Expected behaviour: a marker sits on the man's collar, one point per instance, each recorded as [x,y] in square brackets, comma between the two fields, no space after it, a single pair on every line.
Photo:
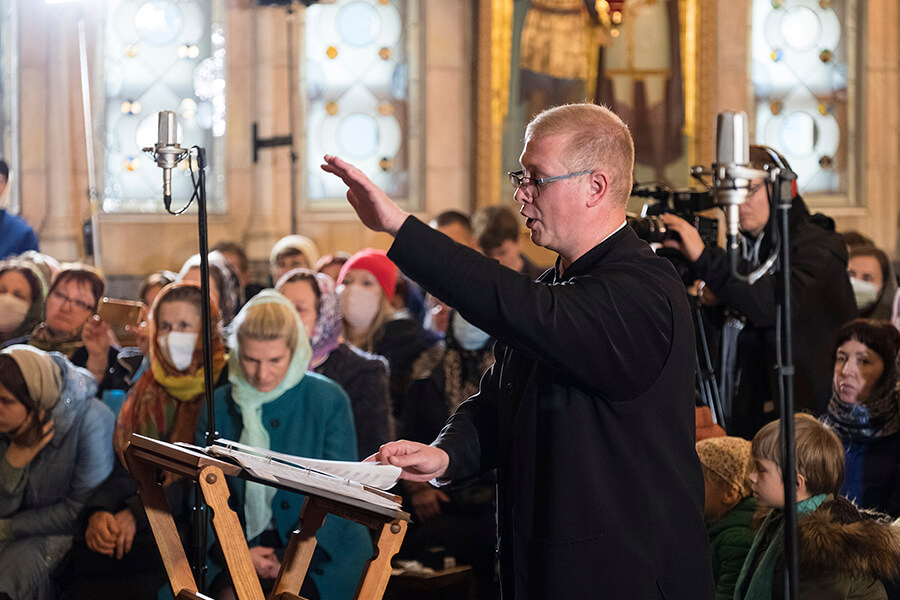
[557,273]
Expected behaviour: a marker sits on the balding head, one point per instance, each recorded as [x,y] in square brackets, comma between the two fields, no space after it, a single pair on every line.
[597,139]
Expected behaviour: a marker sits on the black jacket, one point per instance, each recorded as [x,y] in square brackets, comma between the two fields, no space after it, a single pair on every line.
[587,414]
[821,301]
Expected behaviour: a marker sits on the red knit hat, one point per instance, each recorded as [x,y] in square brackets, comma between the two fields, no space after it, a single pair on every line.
[378,264]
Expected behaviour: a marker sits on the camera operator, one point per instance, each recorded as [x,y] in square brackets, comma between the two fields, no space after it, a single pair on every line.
[821,301]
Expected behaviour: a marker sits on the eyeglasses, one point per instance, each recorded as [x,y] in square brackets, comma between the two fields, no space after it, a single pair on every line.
[755,188]
[518,179]
[76,303]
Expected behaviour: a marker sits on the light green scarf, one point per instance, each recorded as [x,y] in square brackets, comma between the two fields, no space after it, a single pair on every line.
[757,585]
[258,497]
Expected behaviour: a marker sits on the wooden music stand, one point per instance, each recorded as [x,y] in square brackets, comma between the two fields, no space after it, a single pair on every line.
[145,457]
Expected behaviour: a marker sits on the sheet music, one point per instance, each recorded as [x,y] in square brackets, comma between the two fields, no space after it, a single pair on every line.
[374,475]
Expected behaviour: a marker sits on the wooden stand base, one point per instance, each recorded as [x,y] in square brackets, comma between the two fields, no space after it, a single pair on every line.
[145,458]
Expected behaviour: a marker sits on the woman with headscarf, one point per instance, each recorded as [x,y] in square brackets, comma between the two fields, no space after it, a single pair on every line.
[55,441]
[22,294]
[363,376]
[272,402]
[865,413]
[118,556]
[292,252]
[224,288]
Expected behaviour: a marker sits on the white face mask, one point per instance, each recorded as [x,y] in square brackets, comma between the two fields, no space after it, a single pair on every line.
[12,312]
[469,337]
[178,348]
[866,292]
[359,306]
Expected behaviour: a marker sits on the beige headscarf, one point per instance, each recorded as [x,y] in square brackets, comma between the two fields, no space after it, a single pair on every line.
[302,244]
[42,375]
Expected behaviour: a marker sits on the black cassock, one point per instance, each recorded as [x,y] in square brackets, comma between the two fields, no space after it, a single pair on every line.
[587,414]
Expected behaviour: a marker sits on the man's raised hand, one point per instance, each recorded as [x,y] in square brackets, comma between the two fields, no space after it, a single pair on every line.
[375,209]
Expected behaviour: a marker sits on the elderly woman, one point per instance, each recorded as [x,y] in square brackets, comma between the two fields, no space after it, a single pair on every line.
[55,441]
[865,413]
[292,252]
[363,376]
[273,402]
[22,294]
[224,288]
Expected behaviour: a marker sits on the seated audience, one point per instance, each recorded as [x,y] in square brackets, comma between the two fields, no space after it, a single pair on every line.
[367,286]
[459,520]
[55,438]
[273,402]
[865,413]
[46,264]
[22,294]
[70,327]
[117,557]
[331,264]
[458,227]
[497,230]
[843,553]
[153,284]
[222,283]
[292,252]
[363,376]
[728,507]
[873,281]
[236,256]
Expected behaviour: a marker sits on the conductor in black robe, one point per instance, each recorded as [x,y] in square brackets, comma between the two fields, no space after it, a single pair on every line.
[587,413]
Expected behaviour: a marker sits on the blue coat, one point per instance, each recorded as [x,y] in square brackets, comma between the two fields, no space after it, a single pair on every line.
[44,505]
[314,420]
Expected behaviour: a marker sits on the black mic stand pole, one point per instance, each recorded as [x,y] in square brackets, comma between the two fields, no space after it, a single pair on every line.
[783,200]
[201,514]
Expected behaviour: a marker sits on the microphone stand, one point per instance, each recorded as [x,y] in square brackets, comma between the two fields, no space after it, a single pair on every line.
[783,200]
[200,516]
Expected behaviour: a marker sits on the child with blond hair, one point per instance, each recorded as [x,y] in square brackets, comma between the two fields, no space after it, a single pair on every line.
[843,553]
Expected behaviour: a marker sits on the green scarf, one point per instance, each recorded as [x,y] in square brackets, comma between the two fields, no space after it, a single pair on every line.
[757,585]
[258,497]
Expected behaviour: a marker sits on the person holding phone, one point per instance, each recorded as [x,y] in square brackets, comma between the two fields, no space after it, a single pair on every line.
[71,327]
[54,443]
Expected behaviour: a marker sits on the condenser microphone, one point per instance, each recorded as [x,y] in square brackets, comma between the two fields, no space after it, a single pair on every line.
[167,152]
[729,182]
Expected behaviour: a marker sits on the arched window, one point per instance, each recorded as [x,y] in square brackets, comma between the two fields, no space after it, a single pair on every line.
[360,89]
[804,86]
[162,55]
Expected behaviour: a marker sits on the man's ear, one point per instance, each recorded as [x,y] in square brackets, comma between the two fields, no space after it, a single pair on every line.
[599,188]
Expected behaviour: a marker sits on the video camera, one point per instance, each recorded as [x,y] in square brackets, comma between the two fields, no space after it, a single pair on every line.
[650,227]
[683,203]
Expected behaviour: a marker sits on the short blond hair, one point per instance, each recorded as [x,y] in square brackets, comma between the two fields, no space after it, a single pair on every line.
[819,454]
[597,137]
[269,321]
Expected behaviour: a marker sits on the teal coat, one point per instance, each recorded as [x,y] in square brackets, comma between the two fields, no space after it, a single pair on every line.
[729,542]
[313,419]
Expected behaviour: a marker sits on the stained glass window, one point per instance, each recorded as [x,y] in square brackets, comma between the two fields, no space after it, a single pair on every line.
[9,93]
[804,84]
[162,55]
[360,94]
